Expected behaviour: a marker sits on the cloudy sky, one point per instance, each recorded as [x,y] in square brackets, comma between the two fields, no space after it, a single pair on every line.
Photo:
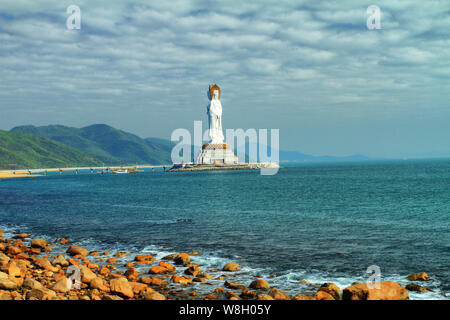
[309,68]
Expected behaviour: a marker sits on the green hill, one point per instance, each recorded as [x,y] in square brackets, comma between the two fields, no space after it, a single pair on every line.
[103,142]
[20,150]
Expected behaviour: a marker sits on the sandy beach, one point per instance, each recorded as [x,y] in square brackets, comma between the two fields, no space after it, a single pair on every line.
[8,175]
[35,269]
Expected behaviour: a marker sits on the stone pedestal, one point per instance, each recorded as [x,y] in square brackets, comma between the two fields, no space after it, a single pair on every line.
[216,154]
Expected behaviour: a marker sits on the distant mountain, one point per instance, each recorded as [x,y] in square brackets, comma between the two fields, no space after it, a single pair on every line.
[22,151]
[110,145]
[295,156]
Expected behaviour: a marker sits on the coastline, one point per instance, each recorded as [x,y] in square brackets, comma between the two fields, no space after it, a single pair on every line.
[36,269]
[10,175]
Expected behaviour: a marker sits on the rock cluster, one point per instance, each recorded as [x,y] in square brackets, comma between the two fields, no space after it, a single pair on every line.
[31,270]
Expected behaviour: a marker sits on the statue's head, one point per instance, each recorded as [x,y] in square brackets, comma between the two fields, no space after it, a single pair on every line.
[214,92]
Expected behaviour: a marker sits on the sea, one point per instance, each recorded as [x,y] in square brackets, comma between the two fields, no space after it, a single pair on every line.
[317,222]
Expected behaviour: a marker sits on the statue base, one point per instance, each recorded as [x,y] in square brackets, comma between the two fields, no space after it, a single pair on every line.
[216,154]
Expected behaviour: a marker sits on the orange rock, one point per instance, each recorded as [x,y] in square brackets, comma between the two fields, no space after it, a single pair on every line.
[11,269]
[111,260]
[73,262]
[259,284]
[39,243]
[193,271]
[129,264]
[248,294]
[331,289]
[211,297]
[63,240]
[13,250]
[34,251]
[154,296]
[264,297]
[76,250]
[99,284]
[131,274]
[322,295]
[138,287]
[182,280]
[168,266]
[182,258]
[231,267]
[103,270]
[219,290]
[230,285]
[115,276]
[157,270]
[145,258]
[278,294]
[421,276]
[93,254]
[43,263]
[21,236]
[91,265]
[388,290]
[302,297]
[153,281]
[119,254]
[121,287]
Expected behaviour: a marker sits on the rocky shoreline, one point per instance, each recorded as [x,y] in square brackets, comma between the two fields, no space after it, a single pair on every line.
[35,269]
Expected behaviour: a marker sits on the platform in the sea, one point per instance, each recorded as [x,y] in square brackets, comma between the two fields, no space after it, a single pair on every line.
[217,167]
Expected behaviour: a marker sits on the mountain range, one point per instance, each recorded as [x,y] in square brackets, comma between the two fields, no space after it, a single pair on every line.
[99,144]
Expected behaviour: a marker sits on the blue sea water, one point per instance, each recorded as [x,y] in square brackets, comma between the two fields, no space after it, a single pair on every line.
[314,221]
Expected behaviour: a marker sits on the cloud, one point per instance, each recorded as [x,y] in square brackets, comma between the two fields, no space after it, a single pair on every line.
[303,53]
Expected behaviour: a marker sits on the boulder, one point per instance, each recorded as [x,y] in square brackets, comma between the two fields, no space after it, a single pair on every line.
[182,280]
[259,284]
[29,283]
[12,269]
[153,295]
[131,274]
[193,271]
[153,281]
[264,297]
[302,297]
[145,258]
[7,284]
[231,267]
[121,287]
[63,285]
[168,266]
[13,250]
[4,258]
[421,276]
[86,274]
[41,294]
[183,259]
[322,295]
[416,287]
[39,243]
[331,289]
[98,283]
[76,250]
[278,294]
[43,263]
[4,276]
[111,297]
[388,290]
[138,287]
[61,260]
[231,285]
[157,270]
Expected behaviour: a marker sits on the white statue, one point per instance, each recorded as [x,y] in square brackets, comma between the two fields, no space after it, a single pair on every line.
[214,111]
